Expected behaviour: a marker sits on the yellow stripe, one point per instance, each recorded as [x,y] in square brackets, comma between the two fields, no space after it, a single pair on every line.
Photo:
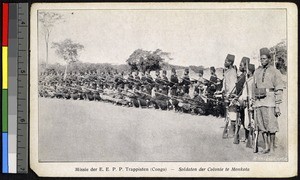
[4,67]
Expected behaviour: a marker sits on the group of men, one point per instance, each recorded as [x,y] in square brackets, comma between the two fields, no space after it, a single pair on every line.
[251,99]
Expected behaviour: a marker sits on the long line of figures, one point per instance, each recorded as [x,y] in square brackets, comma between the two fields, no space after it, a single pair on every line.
[250,100]
[138,89]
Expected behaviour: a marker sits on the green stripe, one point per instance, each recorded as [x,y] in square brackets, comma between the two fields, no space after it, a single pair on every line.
[4,110]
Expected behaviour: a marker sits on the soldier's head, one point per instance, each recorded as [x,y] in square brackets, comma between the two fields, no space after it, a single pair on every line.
[201,73]
[164,73]
[251,69]
[212,70]
[142,73]
[265,57]
[243,64]
[173,71]
[229,61]
[280,63]
[186,71]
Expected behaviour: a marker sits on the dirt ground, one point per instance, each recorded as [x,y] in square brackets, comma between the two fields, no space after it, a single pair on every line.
[72,130]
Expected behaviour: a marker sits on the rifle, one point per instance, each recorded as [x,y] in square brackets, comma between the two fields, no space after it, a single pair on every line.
[248,113]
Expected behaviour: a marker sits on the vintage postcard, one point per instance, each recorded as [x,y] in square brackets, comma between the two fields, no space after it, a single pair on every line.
[163,89]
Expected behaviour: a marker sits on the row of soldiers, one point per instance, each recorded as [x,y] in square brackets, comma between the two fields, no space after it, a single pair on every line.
[195,96]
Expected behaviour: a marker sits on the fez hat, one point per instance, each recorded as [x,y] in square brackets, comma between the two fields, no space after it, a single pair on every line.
[164,72]
[213,69]
[264,51]
[251,67]
[245,60]
[173,70]
[201,71]
[186,70]
[230,58]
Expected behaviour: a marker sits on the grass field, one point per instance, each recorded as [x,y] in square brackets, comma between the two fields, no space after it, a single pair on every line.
[96,131]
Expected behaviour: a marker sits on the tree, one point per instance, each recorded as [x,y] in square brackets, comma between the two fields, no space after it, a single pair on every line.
[68,51]
[143,60]
[48,20]
[279,54]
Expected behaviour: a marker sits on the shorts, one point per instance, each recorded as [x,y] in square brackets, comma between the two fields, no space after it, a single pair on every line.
[265,119]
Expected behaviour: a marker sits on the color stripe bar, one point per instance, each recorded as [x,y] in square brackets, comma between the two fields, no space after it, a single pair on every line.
[4,110]
[4,153]
[12,83]
[4,24]
[4,67]
[5,15]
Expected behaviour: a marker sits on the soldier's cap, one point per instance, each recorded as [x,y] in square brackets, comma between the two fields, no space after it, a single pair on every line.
[245,60]
[164,72]
[251,67]
[212,68]
[200,71]
[264,51]
[173,70]
[230,58]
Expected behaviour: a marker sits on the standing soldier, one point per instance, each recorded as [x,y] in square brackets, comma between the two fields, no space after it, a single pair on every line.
[239,87]
[229,83]
[137,80]
[149,82]
[174,86]
[199,88]
[268,87]
[244,99]
[130,80]
[185,83]
[158,80]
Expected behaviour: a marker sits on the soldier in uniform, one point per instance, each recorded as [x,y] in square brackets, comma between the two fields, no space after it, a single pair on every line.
[174,87]
[245,101]
[201,82]
[199,106]
[158,80]
[185,83]
[130,80]
[229,83]
[239,87]
[137,80]
[267,88]
[149,82]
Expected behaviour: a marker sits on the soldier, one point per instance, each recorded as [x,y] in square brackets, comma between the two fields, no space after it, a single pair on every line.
[158,80]
[149,82]
[201,82]
[130,80]
[229,83]
[199,106]
[211,86]
[245,102]
[165,81]
[174,87]
[267,88]
[185,83]
[97,92]
[239,87]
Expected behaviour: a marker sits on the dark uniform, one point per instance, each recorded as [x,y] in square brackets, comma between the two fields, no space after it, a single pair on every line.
[185,83]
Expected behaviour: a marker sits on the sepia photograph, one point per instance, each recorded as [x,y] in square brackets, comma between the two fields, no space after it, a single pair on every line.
[162,83]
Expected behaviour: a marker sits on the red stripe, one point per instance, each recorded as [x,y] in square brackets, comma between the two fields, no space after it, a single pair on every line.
[5,24]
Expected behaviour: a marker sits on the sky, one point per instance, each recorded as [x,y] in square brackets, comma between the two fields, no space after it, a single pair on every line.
[193,37]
